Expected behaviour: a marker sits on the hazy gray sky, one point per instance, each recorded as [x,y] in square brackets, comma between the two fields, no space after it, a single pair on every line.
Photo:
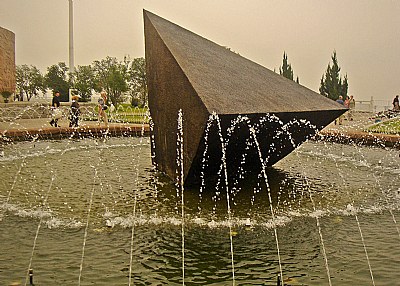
[364,33]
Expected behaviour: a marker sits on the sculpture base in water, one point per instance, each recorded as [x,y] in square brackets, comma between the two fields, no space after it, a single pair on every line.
[250,143]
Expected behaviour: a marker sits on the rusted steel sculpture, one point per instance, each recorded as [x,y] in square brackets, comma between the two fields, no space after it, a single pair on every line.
[201,78]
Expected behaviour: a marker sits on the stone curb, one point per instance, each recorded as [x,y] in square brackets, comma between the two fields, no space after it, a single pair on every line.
[359,138]
[31,134]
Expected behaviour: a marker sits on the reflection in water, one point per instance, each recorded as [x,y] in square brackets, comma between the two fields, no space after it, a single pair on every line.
[344,181]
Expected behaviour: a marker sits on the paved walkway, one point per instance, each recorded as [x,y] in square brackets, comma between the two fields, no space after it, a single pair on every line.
[361,120]
[354,131]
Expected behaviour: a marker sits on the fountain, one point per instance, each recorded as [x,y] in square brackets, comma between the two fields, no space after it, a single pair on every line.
[140,225]
[95,210]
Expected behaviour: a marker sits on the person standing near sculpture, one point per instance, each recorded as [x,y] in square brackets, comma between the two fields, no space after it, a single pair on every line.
[352,106]
[340,119]
[396,106]
[102,108]
[74,112]
[346,102]
[56,113]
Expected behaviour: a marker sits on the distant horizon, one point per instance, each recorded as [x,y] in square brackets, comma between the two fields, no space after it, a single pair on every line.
[361,32]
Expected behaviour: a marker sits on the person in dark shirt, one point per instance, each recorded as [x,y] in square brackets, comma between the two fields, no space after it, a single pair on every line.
[74,112]
[396,106]
[56,112]
[340,100]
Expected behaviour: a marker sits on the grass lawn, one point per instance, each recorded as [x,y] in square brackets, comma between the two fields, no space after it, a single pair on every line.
[391,126]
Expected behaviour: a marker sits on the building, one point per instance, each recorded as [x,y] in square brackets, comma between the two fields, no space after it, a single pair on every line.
[7,61]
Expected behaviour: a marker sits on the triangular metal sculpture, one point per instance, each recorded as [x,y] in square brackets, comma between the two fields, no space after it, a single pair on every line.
[190,73]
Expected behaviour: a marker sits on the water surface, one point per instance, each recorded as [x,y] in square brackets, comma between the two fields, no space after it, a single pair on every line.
[50,191]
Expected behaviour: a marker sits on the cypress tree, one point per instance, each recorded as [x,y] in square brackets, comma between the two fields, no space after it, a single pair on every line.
[286,69]
[332,85]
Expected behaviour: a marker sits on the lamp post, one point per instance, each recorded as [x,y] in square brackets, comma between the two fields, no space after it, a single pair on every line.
[71,36]
[71,44]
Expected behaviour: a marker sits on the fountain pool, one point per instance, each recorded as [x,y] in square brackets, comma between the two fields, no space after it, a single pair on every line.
[96,212]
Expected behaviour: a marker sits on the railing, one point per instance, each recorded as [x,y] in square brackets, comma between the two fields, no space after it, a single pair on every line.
[373,105]
[89,112]
[11,112]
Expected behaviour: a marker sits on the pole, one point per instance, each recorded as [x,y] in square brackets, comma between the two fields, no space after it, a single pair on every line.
[71,36]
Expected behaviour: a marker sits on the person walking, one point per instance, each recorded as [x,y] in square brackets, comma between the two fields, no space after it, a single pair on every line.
[56,113]
[102,108]
[352,106]
[74,112]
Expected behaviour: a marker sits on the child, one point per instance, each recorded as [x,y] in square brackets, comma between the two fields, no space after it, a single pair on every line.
[102,108]
[56,111]
[74,112]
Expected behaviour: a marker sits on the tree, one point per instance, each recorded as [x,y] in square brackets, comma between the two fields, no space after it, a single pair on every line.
[84,82]
[117,84]
[137,82]
[56,79]
[112,76]
[286,69]
[345,86]
[29,81]
[332,85]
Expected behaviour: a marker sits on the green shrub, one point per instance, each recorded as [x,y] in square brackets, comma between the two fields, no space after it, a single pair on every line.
[6,95]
